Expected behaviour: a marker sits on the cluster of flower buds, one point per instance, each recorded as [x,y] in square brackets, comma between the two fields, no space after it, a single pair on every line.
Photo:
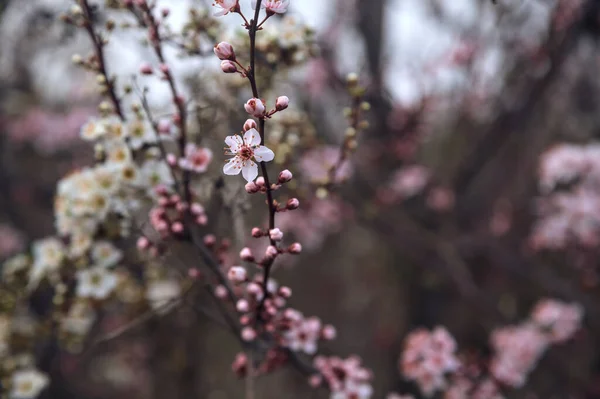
[287,326]
[427,357]
[168,217]
[257,107]
[346,378]
[259,186]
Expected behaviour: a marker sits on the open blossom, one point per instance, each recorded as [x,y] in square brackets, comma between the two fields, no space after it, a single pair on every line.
[247,152]
[196,158]
[96,283]
[559,320]
[427,357]
[28,384]
[346,378]
[273,6]
[224,7]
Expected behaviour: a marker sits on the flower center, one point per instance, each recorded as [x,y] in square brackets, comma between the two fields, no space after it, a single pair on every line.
[245,152]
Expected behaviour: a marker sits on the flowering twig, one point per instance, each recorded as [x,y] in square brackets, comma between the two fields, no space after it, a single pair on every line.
[99,43]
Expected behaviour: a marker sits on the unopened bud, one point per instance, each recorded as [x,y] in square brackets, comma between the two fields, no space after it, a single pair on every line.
[246,254]
[249,124]
[257,233]
[282,103]
[285,176]
[276,234]
[252,188]
[228,66]
[236,274]
[295,248]
[224,51]
[292,204]
[271,252]
[255,107]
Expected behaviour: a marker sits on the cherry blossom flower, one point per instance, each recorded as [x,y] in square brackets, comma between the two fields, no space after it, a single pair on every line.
[196,158]
[224,7]
[558,319]
[27,384]
[273,6]
[247,152]
[96,283]
[427,357]
[346,378]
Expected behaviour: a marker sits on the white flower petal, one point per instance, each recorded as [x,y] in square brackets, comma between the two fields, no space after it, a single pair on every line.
[263,154]
[232,167]
[252,138]
[250,171]
[233,143]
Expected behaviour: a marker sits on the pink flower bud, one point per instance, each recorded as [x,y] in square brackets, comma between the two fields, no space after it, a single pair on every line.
[329,332]
[260,182]
[292,204]
[276,234]
[285,292]
[257,233]
[220,292]
[236,274]
[228,66]
[202,220]
[143,243]
[224,51]
[295,248]
[177,227]
[172,159]
[210,240]
[246,254]
[253,289]
[315,380]
[194,273]
[282,103]
[285,176]
[164,68]
[242,306]
[197,209]
[255,107]
[248,334]
[251,188]
[165,12]
[250,124]
[245,319]
[271,252]
[146,69]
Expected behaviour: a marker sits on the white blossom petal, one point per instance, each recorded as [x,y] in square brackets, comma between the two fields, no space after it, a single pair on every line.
[263,154]
[232,167]
[233,142]
[252,138]
[250,171]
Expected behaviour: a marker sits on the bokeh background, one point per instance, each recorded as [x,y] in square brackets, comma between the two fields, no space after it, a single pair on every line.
[439,222]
